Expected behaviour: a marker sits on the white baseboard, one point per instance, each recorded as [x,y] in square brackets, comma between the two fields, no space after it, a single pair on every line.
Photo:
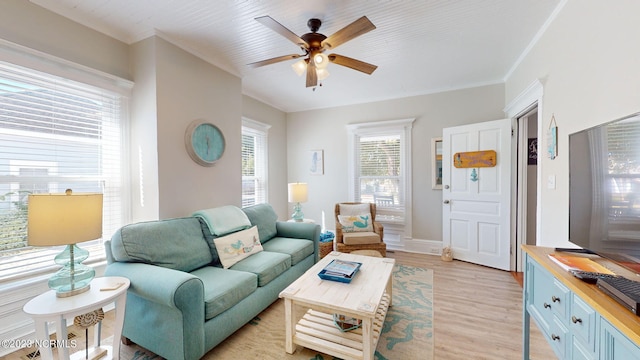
[431,247]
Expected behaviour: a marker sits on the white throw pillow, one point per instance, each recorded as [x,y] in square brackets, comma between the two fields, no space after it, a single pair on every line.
[237,246]
[355,223]
[354,209]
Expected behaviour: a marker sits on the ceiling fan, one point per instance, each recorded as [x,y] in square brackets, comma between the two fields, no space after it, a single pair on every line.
[315,44]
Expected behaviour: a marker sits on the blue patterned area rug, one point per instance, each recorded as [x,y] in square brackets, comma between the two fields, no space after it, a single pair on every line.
[406,334]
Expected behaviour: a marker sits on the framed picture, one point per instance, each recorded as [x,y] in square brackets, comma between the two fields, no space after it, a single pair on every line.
[533,151]
[436,163]
[316,166]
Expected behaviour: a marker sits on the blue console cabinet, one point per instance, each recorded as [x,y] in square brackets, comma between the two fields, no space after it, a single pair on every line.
[578,320]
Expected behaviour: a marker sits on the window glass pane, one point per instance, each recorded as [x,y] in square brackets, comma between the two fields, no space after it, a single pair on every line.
[379,170]
[254,165]
[55,134]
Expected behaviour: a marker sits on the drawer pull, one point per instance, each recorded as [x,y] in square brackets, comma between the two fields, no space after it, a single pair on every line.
[547,306]
[555,337]
[555,299]
[576,320]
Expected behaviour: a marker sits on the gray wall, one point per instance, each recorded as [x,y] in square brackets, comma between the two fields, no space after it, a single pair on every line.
[326,129]
[277,172]
[587,61]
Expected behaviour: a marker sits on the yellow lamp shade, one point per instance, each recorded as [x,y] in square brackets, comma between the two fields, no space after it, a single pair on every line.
[61,219]
[298,192]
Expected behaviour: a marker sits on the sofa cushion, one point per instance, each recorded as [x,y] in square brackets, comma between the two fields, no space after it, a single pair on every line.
[224,288]
[209,237]
[237,246]
[224,220]
[360,238]
[173,243]
[267,265]
[298,249]
[264,217]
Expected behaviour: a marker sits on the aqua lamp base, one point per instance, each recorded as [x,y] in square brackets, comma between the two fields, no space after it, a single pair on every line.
[74,277]
[297,215]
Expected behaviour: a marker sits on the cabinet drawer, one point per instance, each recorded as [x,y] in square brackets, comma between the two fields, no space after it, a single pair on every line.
[560,299]
[579,352]
[538,294]
[582,323]
[559,338]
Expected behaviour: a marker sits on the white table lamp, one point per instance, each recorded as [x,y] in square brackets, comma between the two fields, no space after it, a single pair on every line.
[297,194]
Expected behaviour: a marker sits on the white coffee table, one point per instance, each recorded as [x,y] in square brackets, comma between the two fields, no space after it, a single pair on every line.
[367,297]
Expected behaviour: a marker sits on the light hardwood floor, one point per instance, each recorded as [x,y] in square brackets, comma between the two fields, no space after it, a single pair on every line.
[477,311]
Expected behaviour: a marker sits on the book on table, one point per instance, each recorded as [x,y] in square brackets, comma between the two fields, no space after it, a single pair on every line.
[340,270]
[568,263]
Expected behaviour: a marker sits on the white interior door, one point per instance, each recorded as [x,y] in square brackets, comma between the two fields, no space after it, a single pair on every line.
[476,209]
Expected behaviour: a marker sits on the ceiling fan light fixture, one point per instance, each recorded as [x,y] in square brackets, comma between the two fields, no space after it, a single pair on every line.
[322,74]
[299,67]
[321,60]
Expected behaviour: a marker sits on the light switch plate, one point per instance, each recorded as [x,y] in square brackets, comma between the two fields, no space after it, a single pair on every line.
[551,182]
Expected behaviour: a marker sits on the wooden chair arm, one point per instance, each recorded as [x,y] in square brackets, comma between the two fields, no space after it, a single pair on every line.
[378,229]
[338,232]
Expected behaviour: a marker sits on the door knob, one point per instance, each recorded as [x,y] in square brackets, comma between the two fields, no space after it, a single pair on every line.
[446,186]
[446,201]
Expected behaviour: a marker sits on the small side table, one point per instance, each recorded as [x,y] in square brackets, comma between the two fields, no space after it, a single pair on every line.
[47,308]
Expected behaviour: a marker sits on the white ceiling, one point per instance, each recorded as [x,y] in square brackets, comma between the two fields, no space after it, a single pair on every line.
[420,47]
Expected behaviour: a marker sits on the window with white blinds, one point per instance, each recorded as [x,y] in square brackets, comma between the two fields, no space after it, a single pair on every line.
[379,167]
[380,171]
[55,134]
[254,162]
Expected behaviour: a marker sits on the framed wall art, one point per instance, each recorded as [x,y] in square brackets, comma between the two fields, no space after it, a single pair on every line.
[316,166]
[436,163]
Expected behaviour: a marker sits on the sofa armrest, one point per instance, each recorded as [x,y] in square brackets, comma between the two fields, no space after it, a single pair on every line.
[296,230]
[161,285]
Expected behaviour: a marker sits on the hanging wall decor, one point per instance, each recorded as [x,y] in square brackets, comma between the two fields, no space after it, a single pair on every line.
[316,166]
[552,138]
[532,157]
[470,159]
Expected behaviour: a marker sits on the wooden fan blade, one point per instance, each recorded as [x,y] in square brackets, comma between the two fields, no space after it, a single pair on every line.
[353,30]
[269,22]
[274,60]
[353,63]
[312,74]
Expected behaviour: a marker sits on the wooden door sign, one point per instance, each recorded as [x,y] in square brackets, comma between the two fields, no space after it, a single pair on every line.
[475,159]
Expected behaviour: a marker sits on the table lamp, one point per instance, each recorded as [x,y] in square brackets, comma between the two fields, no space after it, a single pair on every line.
[66,219]
[297,194]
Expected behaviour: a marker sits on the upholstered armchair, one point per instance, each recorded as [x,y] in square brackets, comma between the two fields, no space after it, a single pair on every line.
[357,228]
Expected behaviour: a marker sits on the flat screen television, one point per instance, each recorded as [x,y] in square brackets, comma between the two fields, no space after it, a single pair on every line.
[604,190]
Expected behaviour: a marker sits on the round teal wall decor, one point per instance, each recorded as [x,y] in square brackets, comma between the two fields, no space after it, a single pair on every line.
[205,142]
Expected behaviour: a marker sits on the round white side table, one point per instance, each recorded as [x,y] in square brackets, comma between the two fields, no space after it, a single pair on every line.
[307,221]
[48,308]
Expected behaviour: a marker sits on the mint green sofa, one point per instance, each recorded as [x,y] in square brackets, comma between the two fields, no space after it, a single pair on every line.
[181,302]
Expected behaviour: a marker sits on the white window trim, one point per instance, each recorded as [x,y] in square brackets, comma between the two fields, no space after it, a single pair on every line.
[354,131]
[262,128]
[14,293]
